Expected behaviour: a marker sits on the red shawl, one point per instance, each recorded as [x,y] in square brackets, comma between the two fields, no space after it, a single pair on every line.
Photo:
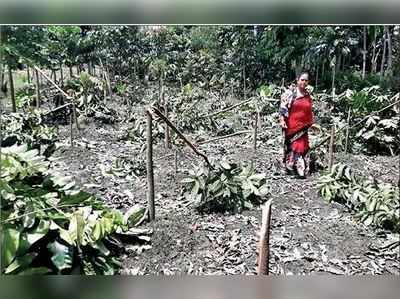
[300,115]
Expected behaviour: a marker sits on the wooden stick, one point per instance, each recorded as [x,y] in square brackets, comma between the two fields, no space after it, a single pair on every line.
[176,162]
[52,82]
[37,89]
[227,109]
[75,116]
[178,133]
[149,166]
[255,134]
[263,257]
[331,144]
[58,108]
[12,91]
[71,129]
[224,137]
[347,131]
[166,141]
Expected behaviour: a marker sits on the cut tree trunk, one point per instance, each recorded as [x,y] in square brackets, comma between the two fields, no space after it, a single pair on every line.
[12,92]
[149,165]
[263,247]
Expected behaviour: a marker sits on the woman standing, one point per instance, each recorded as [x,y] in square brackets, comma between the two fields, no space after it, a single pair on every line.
[296,118]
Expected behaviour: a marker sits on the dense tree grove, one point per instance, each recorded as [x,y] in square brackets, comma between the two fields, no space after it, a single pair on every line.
[246,56]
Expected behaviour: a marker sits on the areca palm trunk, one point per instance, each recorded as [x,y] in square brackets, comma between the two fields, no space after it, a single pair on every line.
[364,52]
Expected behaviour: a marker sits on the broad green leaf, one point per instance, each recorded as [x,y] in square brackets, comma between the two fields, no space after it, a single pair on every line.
[9,246]
[21,263]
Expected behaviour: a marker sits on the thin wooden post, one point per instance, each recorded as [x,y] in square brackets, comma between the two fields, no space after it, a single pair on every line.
[10,78]
[167,139]
[263,247]
[255,133]
[331,144]
[75,116]
[71,129]
[176,162]
[347,131]
[37,88]
[149,165]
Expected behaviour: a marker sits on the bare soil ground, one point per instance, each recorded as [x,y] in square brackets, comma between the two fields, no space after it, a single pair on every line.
[308,236]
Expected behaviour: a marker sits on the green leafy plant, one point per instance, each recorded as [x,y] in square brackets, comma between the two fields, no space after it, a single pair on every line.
[226,187]
[375,203]
[49,226]
[28,128]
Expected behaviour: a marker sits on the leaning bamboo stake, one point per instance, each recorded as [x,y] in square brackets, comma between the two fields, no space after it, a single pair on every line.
[347,131]
[149,166]
[263,247]
[331,144]
[227,109]
[178,133]
[224,137]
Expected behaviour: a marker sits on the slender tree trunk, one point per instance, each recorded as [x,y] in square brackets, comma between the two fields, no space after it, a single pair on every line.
[389,54]
[37,89]
[70,72]
[374,56]
[316,77]
[364,52]
[54,76]
[61,75]
[12,92]
[244,81]
[383,54]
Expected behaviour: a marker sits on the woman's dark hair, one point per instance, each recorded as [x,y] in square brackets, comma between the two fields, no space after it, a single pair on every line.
[302,73]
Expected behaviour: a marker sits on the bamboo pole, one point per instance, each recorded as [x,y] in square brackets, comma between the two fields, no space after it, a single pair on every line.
[71,129]
[331,144]
[347,131]
[176,162]
[149,165]
[167,139]
[225,136]
[37,89]
[178,133]
[255,134]
[227,109]
[263,256]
